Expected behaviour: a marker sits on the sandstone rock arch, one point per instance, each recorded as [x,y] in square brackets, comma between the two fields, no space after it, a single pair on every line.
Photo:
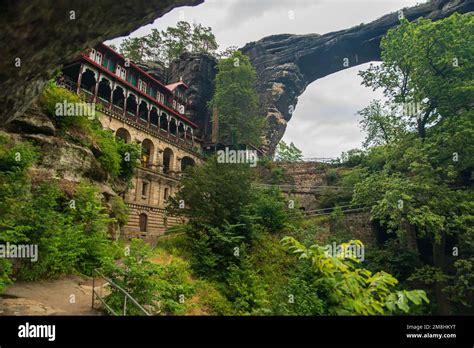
[286,64]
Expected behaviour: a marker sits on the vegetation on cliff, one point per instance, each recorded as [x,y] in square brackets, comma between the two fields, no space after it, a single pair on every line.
[167,45]
[235,101]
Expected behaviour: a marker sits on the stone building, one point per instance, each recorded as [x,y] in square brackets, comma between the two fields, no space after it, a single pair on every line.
[140,108]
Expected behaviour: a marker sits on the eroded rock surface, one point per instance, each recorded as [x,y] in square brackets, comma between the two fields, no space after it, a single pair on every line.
[286,64]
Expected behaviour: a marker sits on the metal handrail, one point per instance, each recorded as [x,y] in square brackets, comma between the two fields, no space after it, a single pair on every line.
[126,295]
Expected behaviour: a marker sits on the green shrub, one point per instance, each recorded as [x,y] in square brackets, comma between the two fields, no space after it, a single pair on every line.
[269,209]
[130,155]
[119,210]
[298,297]
[392,257]
[71,235]
[53,95]
[108,155]
[245,289]
[15,160]
[160,288]
[211,300]
[68,239]
[276,175]
[332,176]
[354,290]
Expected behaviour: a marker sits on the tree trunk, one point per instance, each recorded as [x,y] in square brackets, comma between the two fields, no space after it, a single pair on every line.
[439,261]
[409,237]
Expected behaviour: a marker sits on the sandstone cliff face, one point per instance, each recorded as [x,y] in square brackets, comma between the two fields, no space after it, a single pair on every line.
[287,64]
[59,158]
[43,34]
[198,71]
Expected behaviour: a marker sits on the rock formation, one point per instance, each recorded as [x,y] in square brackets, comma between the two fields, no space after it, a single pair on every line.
[43,36]
[38,36]
[286,64]
[198,71]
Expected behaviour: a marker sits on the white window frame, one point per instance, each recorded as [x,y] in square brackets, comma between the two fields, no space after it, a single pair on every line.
[92,54]
[98,58]
[142,85]
[121,72]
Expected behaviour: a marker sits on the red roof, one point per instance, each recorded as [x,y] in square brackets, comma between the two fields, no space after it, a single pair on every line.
[86,57]
[135,66]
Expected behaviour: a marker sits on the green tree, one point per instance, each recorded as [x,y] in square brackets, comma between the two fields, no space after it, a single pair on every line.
[167,45]
[289,153]
[134,48]
[226,213]
[228,52]
[382,124]
[421,186]
[236,101]
[427,69]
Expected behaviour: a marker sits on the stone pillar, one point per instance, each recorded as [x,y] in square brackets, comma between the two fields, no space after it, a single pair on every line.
[112,88]
[79,79]
[177,165]
[96,89]
[125,103]
[159,160]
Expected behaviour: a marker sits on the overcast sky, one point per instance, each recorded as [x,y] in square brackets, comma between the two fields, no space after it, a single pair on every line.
[324,122]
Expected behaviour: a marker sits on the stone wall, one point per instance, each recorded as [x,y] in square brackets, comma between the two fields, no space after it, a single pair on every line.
[358,226]
[303,182]
[158,183]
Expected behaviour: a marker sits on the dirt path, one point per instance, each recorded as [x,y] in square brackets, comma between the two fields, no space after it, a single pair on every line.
[70,295]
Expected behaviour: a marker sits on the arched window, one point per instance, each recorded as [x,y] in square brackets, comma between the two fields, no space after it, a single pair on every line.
[143,222]
[163,122]
[104,90]
[167,160]
[173,127]
[118,97]
[186,162]
[123,134]
[132,105]
[154,117]
[143,111]
[88,81]
[147,152]
[181,131]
